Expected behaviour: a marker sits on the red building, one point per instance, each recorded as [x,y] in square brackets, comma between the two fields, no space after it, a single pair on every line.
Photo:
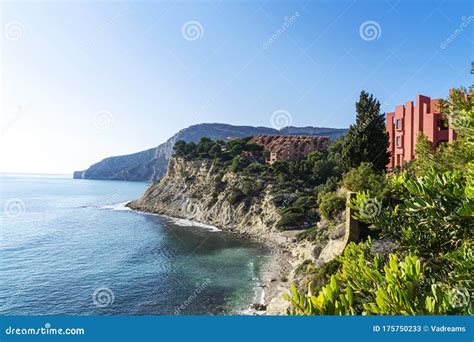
[408,120]
[289,147]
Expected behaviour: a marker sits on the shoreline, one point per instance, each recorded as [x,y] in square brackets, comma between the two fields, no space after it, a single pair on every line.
[274,275]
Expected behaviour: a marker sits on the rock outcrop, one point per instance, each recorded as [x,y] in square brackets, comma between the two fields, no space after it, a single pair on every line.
[195,190]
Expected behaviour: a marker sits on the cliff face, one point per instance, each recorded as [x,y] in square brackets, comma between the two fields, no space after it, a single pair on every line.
[140,166]
[151,164]
[195,190]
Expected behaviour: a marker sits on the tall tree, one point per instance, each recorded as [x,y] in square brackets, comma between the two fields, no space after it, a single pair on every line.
[367,139]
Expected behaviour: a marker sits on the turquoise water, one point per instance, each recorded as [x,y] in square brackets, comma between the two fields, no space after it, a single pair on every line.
[71,247]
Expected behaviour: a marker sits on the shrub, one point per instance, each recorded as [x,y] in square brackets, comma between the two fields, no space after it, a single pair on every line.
[432,214]
[365,178]
[313,234]
[330,204]
[248,188]
[180,148]
[330,185]
[256,168]
[330,301]
[204,146]
[238,164]
[236,196]
[215,151]
[314,277]
[364,285]
[291,220]
[305,267]
[305,201]
[297,217]
[446,157]
[225,151]
[458,110]
[251,188]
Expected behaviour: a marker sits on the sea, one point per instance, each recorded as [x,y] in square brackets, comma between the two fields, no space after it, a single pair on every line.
[72,247]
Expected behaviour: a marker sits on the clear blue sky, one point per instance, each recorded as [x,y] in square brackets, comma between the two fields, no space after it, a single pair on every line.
[86,80]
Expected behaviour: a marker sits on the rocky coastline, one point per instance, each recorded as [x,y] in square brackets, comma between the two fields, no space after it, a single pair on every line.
[188,191]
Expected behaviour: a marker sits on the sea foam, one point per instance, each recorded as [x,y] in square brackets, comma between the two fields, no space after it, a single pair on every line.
[117,206]
[177,221]
[189,223]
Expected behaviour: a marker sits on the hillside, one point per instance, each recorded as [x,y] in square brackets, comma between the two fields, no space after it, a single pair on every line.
[151,164]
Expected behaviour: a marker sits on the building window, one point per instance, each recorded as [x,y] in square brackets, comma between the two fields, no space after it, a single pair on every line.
[399,140]
[442,125]
[399,124]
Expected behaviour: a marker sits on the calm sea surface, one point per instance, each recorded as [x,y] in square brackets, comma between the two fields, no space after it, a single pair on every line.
[71,247]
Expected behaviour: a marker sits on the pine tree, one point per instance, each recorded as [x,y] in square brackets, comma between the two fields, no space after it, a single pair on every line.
[367,139]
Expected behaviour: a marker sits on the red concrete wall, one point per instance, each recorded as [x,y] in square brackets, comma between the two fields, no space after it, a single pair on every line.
[391,136]
[409,151]
[422,117]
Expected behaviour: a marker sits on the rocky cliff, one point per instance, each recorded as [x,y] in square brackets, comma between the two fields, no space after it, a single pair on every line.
[151,164]
[195,190]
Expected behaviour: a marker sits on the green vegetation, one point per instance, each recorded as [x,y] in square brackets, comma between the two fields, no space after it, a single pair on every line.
[427,209]
[365,178]
[313,234]
[314,278]
[366,284]
[330,204]
[237,196]
[294,185]
[367,139]
[219,150]
[431,214]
